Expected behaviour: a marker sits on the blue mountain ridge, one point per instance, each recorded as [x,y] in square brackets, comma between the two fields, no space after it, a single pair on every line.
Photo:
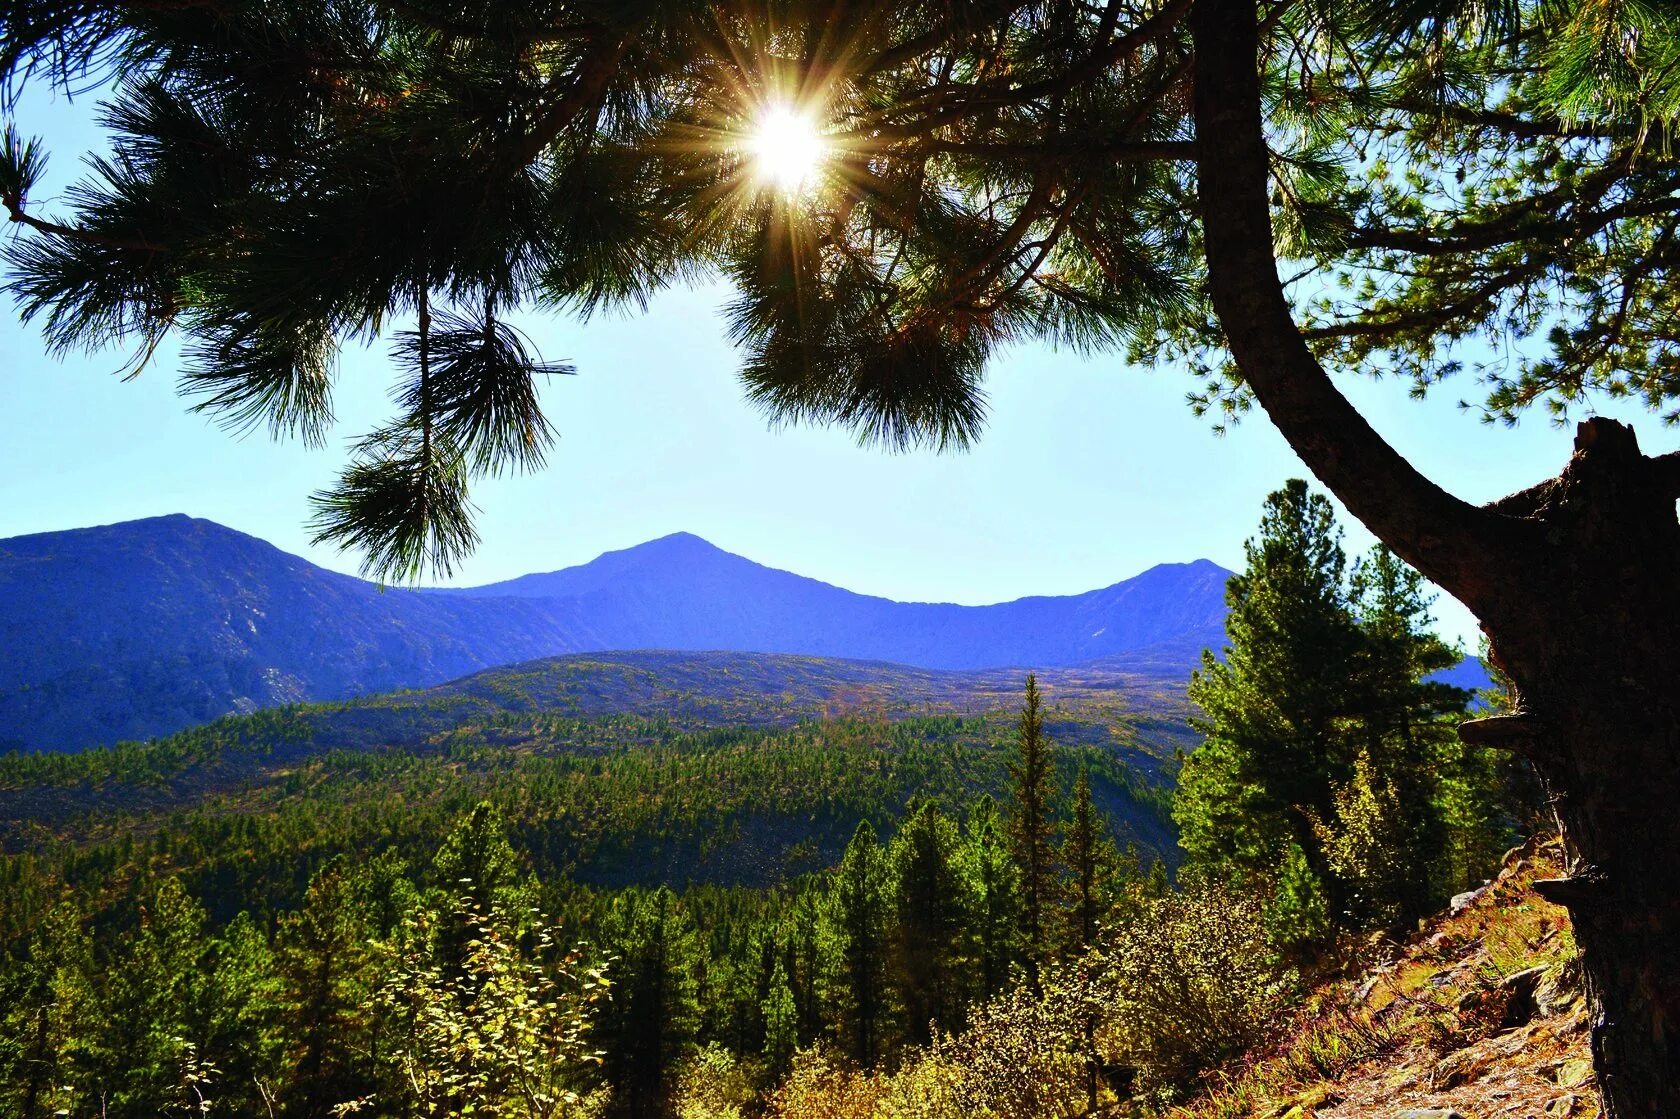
[142,628]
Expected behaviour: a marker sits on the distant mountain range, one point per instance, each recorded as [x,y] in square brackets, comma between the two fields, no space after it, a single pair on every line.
[147,627]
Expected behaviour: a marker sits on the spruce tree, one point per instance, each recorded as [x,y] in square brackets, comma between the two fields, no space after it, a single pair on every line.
[1032,829]
[1274,748]
[928,928]
[860,915]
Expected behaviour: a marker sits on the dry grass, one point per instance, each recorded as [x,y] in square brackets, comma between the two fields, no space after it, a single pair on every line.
[1438,1027]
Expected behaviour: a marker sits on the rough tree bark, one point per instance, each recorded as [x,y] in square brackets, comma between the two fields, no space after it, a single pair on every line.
[1576,583]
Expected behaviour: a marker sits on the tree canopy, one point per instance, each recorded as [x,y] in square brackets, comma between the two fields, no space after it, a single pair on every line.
[287,179]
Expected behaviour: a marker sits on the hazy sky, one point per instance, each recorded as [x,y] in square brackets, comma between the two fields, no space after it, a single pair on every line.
[1089,473]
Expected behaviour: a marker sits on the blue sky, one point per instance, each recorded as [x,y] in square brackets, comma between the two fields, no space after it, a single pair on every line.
[1090,471]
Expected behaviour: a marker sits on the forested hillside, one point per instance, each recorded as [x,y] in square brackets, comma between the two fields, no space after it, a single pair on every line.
[749,853]
[651,767]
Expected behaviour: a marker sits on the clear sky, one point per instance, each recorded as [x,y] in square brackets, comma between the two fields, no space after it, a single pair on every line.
[1090,471]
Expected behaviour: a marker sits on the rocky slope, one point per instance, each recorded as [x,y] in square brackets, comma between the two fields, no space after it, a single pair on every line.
[1478,1016]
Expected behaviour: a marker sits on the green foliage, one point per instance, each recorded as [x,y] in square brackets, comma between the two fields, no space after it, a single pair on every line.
[1332,765]
[993,887]
[654,1013]
[929,928]
[1031,832]
[860,914]
[502,1030]
[1194,980]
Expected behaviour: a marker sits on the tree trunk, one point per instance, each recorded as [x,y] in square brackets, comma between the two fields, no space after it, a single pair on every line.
[1589,645]
[1576,582]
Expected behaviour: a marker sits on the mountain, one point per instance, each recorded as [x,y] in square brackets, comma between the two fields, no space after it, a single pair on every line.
[138,629]
[680,592]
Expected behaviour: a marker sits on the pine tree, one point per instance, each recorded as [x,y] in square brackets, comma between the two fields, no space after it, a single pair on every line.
[236,1022]
[781,1021]
[325,960]
[1409,728]
[860,915]
[142,1054]
[1032,829]
[928,927]
[1094,868]
[652,1016]
[1274,749]
[45,1005]
[994,898]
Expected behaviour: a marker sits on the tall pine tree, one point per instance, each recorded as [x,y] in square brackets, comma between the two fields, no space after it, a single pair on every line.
[929,929]
[1273,750]
[1032,829]
[860,915]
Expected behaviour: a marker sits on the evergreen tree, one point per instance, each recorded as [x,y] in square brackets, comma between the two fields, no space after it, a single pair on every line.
[1274,750]
[1032,829]
[236,1020]
[477,870]
[326,962]
[44,1014]
[806,958]
[143,1058]
[927,938]
[860,915]
[994,893]
[1094,868]
[781,1021]
[1409,730]
[1328,745]
[652,1016]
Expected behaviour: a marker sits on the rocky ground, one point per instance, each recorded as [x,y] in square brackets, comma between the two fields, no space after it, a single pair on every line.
[1479,1015]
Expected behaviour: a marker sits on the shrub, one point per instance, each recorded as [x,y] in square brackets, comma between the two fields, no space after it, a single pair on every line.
[820,1087]
[714,1084]
[1194,980]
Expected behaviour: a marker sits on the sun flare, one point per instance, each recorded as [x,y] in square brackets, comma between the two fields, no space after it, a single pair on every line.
[787,149]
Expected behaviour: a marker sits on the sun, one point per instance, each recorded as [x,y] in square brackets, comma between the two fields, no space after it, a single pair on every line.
[787,148]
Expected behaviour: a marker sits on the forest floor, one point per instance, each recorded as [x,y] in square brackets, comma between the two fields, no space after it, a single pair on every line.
[1478,1015]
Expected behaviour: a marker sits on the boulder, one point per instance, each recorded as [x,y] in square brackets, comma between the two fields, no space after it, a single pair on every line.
[1518,990]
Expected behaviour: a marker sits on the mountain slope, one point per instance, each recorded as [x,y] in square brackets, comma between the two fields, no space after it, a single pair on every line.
[1480,1014]
[629,767]
[143,628]
[138,629]
[680,592]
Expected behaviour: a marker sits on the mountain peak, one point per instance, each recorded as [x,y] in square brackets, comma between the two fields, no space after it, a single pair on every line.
[676,543]
[144,627]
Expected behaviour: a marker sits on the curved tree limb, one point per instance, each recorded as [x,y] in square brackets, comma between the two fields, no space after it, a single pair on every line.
[1462,548]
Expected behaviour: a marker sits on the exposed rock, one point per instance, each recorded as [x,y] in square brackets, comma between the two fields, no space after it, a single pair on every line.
[1518,990]
[1456,1068]
[1559,989]
[1461,902]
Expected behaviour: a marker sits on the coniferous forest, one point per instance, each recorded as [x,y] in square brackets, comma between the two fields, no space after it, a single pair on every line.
[541,915]
[630,885]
